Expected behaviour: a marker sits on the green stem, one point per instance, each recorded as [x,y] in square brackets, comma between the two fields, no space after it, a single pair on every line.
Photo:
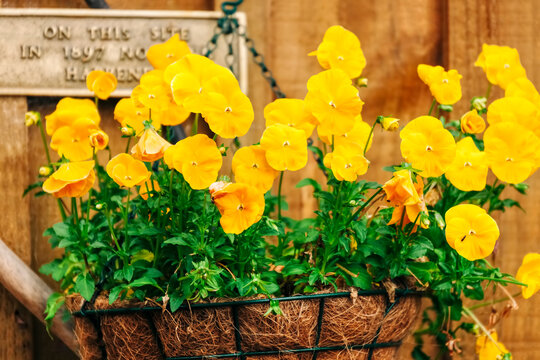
[363,206]
[111,229]
[195,127]
[44,139]
[127,145]
[279,194]
[171,199]
[491,302]
[74,212]
[126,216]
[47,153]
[370,135]
[470,314]
[488,92]
[515,282]
[432,106]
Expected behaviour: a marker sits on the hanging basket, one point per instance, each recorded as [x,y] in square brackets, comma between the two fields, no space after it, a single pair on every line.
[327,326]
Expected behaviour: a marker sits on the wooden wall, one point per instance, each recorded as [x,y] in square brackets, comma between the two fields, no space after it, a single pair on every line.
[396,35]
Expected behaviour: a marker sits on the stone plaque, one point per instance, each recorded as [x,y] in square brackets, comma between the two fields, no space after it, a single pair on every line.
[49,52]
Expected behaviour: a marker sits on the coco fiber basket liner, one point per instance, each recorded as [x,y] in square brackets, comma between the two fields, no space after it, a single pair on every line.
[364,325]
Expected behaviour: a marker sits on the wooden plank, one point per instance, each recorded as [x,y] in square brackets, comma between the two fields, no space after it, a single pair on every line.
[503,22]
[15,321]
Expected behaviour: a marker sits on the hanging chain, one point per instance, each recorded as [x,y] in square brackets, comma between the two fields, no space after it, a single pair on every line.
[229,28]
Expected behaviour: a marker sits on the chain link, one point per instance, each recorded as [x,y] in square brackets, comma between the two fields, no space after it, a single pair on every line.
[229,28]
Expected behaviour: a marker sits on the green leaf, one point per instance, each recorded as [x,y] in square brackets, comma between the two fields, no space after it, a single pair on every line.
[85,286]
[115,292]
[309,182]
[61,229]
[54,303]
[143,255]
[175,301]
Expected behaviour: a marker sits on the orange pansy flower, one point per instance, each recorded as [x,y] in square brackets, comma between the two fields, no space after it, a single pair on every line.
[73,179]
[150,146]
[101,83]
[250,167]
[285,147]
[127,171]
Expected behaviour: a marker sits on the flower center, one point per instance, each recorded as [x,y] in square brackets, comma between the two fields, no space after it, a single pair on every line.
[74,140]
[472,232]
[467,163]
[509,159]
[340,58]
[286,143]
[255,166]
[331,103]
[127,177]
[170,55]
[194,163]
[347,166]
[445,81]
[507,66]
[290,124]
[429,148]
[139,113]
[200,90]
[240,207]
[228,109]
[151,96]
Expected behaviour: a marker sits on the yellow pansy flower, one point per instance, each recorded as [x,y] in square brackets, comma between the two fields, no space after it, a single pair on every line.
[334,101]
[471,231]
[227,110]
[285,147]
[428,146]
[147,187]
[173,115]
[101,83]
[523,88]
[240,206]
[511,151]
[359,134]
[529,273]
[128,115]
[73,142]
[347,161]
[162,55]
[468,171]
[151,97]
[99,140]
[73,179]
[517,110]
[340,49]
[472,123]
[291,112]
[401,190]
[444,85]
[250,167]
[501,64]
[188,79]
[127,171]
[197,158]
[150,146]
[68,110]
[488,350]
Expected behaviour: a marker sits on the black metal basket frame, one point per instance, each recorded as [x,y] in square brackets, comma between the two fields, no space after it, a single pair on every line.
[95,314]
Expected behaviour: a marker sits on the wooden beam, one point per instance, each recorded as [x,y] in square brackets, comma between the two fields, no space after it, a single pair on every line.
[27,287]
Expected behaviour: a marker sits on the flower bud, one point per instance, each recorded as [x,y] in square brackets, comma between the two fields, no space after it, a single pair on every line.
[127,131]
[362,82]
[99,140]
[352,203]
[440,220]
[99,206]
[390,123]
[424,221]
[479,103]
[45,171]
[31,118]
[472,123]
[223,150]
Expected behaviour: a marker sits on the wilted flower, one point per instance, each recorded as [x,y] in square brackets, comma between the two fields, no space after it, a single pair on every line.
[150,146]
